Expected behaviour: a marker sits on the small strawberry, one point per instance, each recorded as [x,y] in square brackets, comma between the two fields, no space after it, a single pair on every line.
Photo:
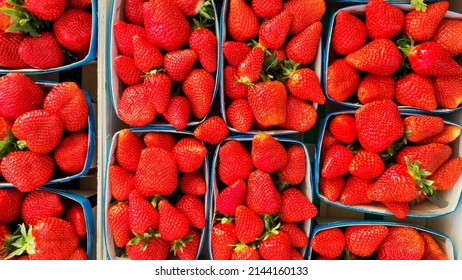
[135,108]
[303,47]
[342,80]
[249,226]
[133,11]
[234,163]
[159,139]
[276,247]
[266,9]
[364,240]
[448,89]
[189,154]
[205,43]
[336,162]
[305,13]
[296,207]
[40,204]
[355,191]
[127,71]
[343,128]
[433,250]
[399,209]
[367,165]
[73,30]
[235,52]
[223,234]
[191,8]
[297,236]
[11,202]
[232,88]
[329,242]
[118,221]
[129,148]
[402,243]
[193,207]
[79,254]
[417,91]
[157,87]
[179,63]
[331,188]
[244,252]
[146,56]
[9,46]
[193,183]
[74,214]
[46,9]
[268,155]
[212,131]
[178,112]
[373,87]
[418,127]
[421,25]
[446,176]
[295,170]
[447,36]
[142,215]
[239,115]
[349,33]
[199,87]
[301,116]
[123,35]
[188,247]
[262,196]
[383,20]
[231,197]
[249,69]
[173,224]
[148,248]
[430,156]
[268,101]
[41,52]
[71,154]
[273,32]
[304,84]
[449,134]
[242,23]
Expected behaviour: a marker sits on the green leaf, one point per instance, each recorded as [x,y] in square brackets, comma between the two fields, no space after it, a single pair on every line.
[419,5]
[9,12]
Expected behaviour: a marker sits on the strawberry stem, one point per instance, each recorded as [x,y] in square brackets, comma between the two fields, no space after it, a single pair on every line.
[419,176]
[419,5]
[21,241]
[180,244]
[23,20]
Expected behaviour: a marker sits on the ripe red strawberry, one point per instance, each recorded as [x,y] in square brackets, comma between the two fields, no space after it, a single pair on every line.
[187,248]
[433,251]
[242,23]
[342,80]
[157,87]
[133,11]
[343,128]
[421,25]
[402,243]
[129,148]
[173,224]
[124,33]
[74,214]
[235,52]
[304,84]
[240,115]
[19,95]
[329,242]
[447,36]
[364,240]
[231,197]
[273,32]
[189,154]
[127,71]
[301,115]
[212,131]
[449,134]
[79,254]
[383,20]
[9,46]
[142,215]
[165,25]
[71,154]
[40,204]
[179,63]
[298,237]
[430,156]
[146,56]
[135,108]
[193,207]
[331,188]
[431,59]
[349,33]
[73,30]
[205,43]
[380,57]
[355,191]
[367,165]
[232,88]
[118,221]
[268,155]
[149,248]
[178,112]
[447,174]
[296,207]
[268,101]
[398,209]
[417,91]
[199,87]
[243,252]
[41,52]
[336,162]
[27,170]
[372,135]
[373,87]
[276,247]
[46,9]
[222,236]
[11,202]
[249,69]
[448,89]
[267,9]
[305,13]
[159,139]
[157,173]
[418,127]
[193,183]
[234,163]
[303,47]
[249,226]
[295,170]
[262,196]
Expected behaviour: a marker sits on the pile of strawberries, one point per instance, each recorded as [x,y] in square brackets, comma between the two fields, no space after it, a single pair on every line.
[268,50]
[158,187]
[41,225]
[44,34]
[377,242]
[398,164]
[366,62]
[168,71]
[43,131]
[260,206]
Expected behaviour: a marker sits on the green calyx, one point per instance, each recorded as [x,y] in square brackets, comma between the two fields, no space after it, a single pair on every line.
[144,238]
[22,20]
[289,68]
[272,225]
[393,150]
[419,5]
[180,244]
[10,144]
[156,199]
[21,241]
[242,246]
[419,176]
[406,45]
[207,10]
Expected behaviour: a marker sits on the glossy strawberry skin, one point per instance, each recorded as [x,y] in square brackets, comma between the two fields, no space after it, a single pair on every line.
[246,253]
[374,87]
[367,165]
[305,13]
[129,148]
[75,214]
[447,174]
[159,139]
[178,112]
[40,204]
[295,170]
[336,162]
[193,183]
[364,240]
[9,56]
[430,156]
[268,155]
[239,29]
[173,224]
[298,237]
[11,201]
[296,207]
[231,197]
[355,191]
[205,43]
[383,20]
[146,56]
[249,69]
[156,249]
[212,131]
[189,154]
[135,108]
[123,35]
[262,196]
[417,91]
[73,30]
[133,11]
[342,80]
[433,250]
[449,134]
[71,154]
[276,247]
[193,207]
[267,9]
[301,115]
[421,25]
[447,90]
[249,226]
[304,84]
[179,63]
[199,88]
[235,52]
[343,128]
[239,115]
[223,235]
[273,33]
[142,215]
[268,102]
[303,47]
[127,71]
[118,221]
[331,188]
[190,250]
[447,36]
[402,243]
[234,163]
[158,88]
[349,33]
[430,59]
[42,52]
[418,128]
[329,242]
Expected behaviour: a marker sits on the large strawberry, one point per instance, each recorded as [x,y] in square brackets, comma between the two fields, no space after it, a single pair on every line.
[46,9]
[193,207]
[199,87]
[249,226]
[373,87]
[383,20]
[173,224]
[205,43]
[303,47]
[71,153]
[276,247]
[239,115]
[193,183]
[9,45]
[179,63]
[178,112]
[242,23]
[123,35]
[349,33]
[305,13]
[418,128]
[41,52]
[421,25]
[127,71]
[234,163]
[304,84]
[189,154]
[142,215]
[146,56]
[129,148]
[262,196]
[74,214]
[342,80]
[231,197]
[336,162]
[355,191]
[10,201]
[329,242]
[212,131]
[268,101]
[430,156]
[222,236]
[295,170]
[447,36]
[157,87]
[402,243]
[296,207]
[447,174]
[273,33]
[41,204]
[364,240]
[118,220]
[268,155]
[73,30]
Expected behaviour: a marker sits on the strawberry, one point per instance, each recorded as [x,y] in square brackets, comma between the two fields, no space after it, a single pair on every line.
[79,254]
[262,196]
[268,155]
[240,115]
[232,88]
[342,80]
[129,148]
[9,46]
[297,236]
[231,197]
[142,215]
[157,87]
[19,95]
[268,101]
[73,30]
[449,134]
[295,170]
[446,176]
[447,36]
[74,214]
[235,52]
[421,25]
[190,7]
[364,240]
[433,250]
[234,163]
[267,9]
[5,126]
[399,209]
[242,23]
[355,191]
[193,183]
[367,165]
[69,101]
[447,90]
[193,207]
[71,154]
[27,170]
[372,135]
[430,156]
[189,154]
[199,87]
[133,11]
[165,25]
[276,247]
[135,108]
[205,43]
[188,247]
[296,207]
[304,84]
[40,204]
[349,33]
[296,255]
[301,115]
[402,243]
[179,63]
[331,188]
[249,69]
[249,226]
[373,87]
[343,128]
[244,252]
[379,57]
[305,13]
[417,91]
[149,248]
[146,56]
[118,221]
[212,131]
[273,32]
[336,162]
[157,173]
[303,47]
[41,52]
[123,35]
[11,202]
[223,234]
[329,242]
[173,224]
[418,127]
[127,71]
[46,9]
[178,112]
[159,139]
[383,20]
